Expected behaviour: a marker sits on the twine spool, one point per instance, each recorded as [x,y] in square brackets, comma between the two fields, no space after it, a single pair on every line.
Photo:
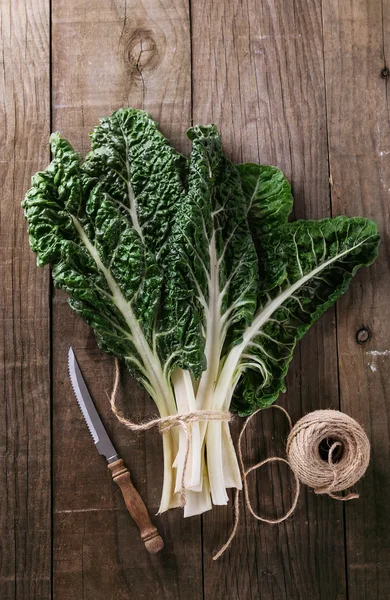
[328,451]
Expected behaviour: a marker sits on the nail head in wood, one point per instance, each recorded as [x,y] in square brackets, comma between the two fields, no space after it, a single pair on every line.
[362,335]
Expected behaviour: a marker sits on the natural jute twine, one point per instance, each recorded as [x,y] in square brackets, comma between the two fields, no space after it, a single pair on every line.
[348,439]
[348,455]
[346,443]
[167,423]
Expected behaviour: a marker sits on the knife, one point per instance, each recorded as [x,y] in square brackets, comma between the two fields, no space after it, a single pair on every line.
[120,474]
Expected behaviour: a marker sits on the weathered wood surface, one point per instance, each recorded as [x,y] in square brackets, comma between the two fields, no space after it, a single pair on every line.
[295,84]
[356,45]
[25,486]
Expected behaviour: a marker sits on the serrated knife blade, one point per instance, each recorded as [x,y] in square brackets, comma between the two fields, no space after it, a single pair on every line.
[90,414]
[120,473]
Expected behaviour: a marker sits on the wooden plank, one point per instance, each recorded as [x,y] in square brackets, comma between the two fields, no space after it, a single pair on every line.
[25,533]
[115,54]
[357,38]
[259,74]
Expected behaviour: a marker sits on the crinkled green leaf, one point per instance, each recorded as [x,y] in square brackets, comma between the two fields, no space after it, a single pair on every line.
[113,281]
[124,198]
[308,266]
[220,243]
[143,176]
[216,247]
[140,171]
[268,197]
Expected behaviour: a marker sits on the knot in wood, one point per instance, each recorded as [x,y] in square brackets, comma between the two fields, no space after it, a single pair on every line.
[143,51]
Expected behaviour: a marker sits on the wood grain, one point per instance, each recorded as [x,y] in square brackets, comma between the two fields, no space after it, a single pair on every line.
[114,54]
[357,37]
[303,85]
[259,73]
[25,532]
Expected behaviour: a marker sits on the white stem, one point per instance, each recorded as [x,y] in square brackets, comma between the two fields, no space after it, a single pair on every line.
[214,341]
[227,379]
[168,497]
[231,470]
[185,400]
[182,407]
[213,327]
[222,461]
[198,502]
[199,486]
[215,463]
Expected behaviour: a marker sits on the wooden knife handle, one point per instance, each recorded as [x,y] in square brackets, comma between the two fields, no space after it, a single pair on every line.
[136,507]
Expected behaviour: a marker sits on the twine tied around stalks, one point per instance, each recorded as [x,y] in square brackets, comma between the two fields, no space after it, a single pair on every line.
[326,450]
[167,423]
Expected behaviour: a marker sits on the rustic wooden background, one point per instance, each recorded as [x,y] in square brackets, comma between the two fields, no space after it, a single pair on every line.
[302,84]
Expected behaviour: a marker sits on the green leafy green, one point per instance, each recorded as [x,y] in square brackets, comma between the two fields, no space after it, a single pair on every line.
[268,197]
[309,265]
[305,267]
[217,250]
[190,272]
[113,280]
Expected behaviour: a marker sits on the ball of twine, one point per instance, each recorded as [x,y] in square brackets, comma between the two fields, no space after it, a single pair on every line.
[328,451]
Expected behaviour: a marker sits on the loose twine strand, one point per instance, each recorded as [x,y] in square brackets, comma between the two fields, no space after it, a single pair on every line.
[245,473]
[340,431]
[348,453]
